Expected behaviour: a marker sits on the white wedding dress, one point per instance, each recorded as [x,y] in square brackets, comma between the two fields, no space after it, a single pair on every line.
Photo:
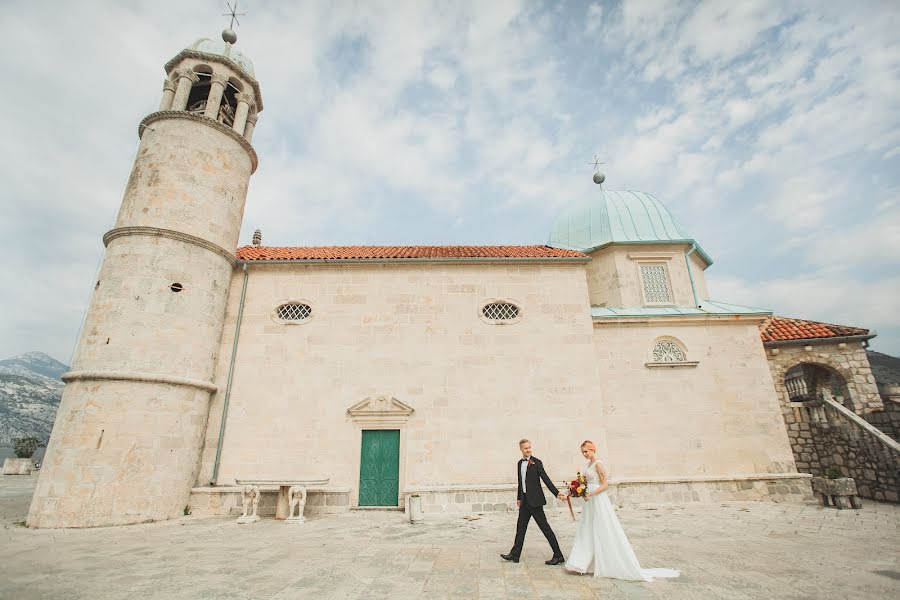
[601,546]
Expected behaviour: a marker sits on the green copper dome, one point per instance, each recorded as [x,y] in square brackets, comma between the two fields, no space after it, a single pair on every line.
[610,217]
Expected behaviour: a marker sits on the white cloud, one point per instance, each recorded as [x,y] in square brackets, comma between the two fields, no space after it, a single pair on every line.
[772,130]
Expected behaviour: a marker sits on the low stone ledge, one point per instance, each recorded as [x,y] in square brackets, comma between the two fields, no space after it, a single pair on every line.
[17,466]
[772,487]
[226,500]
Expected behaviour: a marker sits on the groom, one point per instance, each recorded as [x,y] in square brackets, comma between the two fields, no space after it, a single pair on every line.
[531,504]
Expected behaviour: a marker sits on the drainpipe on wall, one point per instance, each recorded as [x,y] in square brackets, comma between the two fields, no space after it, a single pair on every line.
[687,260]
[237,331]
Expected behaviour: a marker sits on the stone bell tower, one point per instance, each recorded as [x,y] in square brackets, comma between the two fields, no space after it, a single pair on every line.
[126,444]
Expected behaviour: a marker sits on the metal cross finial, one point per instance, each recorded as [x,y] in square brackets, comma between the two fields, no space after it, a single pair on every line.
[233,14]
[596,163]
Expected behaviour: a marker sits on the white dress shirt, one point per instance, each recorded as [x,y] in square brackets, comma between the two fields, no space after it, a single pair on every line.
[523,467]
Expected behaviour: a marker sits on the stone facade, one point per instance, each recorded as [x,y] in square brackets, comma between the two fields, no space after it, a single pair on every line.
[718,417]
[412,332]
[821,438]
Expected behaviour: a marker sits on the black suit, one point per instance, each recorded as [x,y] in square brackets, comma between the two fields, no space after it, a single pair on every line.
[532,505]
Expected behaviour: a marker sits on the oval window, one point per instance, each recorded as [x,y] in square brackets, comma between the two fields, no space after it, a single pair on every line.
[500,311]
[294,311]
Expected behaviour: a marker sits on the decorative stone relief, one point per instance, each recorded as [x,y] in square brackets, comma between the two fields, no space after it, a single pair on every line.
[380,409]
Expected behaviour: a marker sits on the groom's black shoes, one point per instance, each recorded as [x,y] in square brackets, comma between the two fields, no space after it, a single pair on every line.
[510,558]
[556,560]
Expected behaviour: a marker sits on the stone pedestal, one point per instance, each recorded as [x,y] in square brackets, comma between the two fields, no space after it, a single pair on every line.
[842,492]
[17,466]
[415,509]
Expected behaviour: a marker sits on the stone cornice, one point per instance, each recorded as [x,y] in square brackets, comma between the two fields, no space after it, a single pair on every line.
[141,377]
[186,53]
[180,114]
[709,318]
[173,235]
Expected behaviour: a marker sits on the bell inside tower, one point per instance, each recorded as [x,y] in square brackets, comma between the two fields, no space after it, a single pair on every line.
[200,91]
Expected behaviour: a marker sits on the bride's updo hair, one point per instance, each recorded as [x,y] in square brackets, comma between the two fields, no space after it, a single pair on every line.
[589,444]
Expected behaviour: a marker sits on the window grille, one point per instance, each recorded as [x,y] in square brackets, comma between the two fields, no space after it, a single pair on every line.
[668,351]
[656,284]
[500,311]
[294,312]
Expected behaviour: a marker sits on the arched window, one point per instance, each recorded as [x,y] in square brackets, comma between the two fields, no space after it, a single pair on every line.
[666,350]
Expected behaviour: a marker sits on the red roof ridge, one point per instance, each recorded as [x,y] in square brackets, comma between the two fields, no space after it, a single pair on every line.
[350,252]
[782,329]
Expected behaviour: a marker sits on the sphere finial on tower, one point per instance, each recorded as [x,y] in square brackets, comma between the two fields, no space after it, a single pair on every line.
[599,177]
[228,33]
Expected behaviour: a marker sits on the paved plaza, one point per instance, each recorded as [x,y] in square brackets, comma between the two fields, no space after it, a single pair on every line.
[728,550]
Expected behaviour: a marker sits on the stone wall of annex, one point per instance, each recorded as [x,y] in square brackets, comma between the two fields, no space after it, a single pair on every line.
[717,418]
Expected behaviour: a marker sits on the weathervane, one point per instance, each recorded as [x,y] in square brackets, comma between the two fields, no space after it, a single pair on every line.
[234,14]
[599,177]
[229,35]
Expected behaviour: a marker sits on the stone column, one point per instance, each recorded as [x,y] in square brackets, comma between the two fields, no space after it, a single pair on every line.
[243,110]
[168,95]
[251,125]
[185,80]
[216,89]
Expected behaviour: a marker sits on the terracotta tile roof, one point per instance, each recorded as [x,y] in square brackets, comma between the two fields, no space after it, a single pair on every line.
[782,329]
[400,252]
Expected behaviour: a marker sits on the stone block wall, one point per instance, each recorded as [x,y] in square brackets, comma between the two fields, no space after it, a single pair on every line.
[821,438]
[887,420]
[843,445]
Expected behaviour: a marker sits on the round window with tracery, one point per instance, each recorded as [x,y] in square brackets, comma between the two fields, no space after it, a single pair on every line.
[668,351]
[500,311]
[293,312]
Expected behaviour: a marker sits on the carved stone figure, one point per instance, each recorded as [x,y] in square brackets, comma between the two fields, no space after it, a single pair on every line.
[296,500]
[249,500]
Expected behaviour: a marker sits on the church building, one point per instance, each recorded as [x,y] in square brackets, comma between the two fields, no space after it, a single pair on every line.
[391,372]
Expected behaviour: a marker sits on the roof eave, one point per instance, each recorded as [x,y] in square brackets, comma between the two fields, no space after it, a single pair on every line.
[342,261]
[822,340]
[706,258]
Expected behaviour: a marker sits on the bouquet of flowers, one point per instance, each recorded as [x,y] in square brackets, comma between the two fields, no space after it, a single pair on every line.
[577,488]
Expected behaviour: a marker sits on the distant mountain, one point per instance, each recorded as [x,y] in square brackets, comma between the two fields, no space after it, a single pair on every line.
[885,368]
[30,390]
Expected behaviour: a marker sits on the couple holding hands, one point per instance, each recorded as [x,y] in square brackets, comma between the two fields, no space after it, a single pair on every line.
[600,546]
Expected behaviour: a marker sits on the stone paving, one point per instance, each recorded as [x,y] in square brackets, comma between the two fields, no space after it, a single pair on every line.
[731,550]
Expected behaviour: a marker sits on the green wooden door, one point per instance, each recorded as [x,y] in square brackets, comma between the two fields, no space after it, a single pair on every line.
[379,467]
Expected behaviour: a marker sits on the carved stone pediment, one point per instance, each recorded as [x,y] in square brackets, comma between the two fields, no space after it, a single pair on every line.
[380,409]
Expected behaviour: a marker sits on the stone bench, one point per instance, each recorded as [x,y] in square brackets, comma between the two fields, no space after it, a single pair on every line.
[292,494]
[842,492]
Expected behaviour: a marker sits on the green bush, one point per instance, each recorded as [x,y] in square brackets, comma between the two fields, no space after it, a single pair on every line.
[24,447]
[833,473]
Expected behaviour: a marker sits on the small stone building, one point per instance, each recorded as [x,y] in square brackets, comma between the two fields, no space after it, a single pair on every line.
[835,415]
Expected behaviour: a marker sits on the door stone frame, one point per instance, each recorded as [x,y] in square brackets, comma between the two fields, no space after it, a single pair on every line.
[379,412]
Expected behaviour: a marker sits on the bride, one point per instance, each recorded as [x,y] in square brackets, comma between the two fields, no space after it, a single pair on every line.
[600,543]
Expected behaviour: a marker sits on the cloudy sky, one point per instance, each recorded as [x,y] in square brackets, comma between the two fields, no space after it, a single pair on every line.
[770,129]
